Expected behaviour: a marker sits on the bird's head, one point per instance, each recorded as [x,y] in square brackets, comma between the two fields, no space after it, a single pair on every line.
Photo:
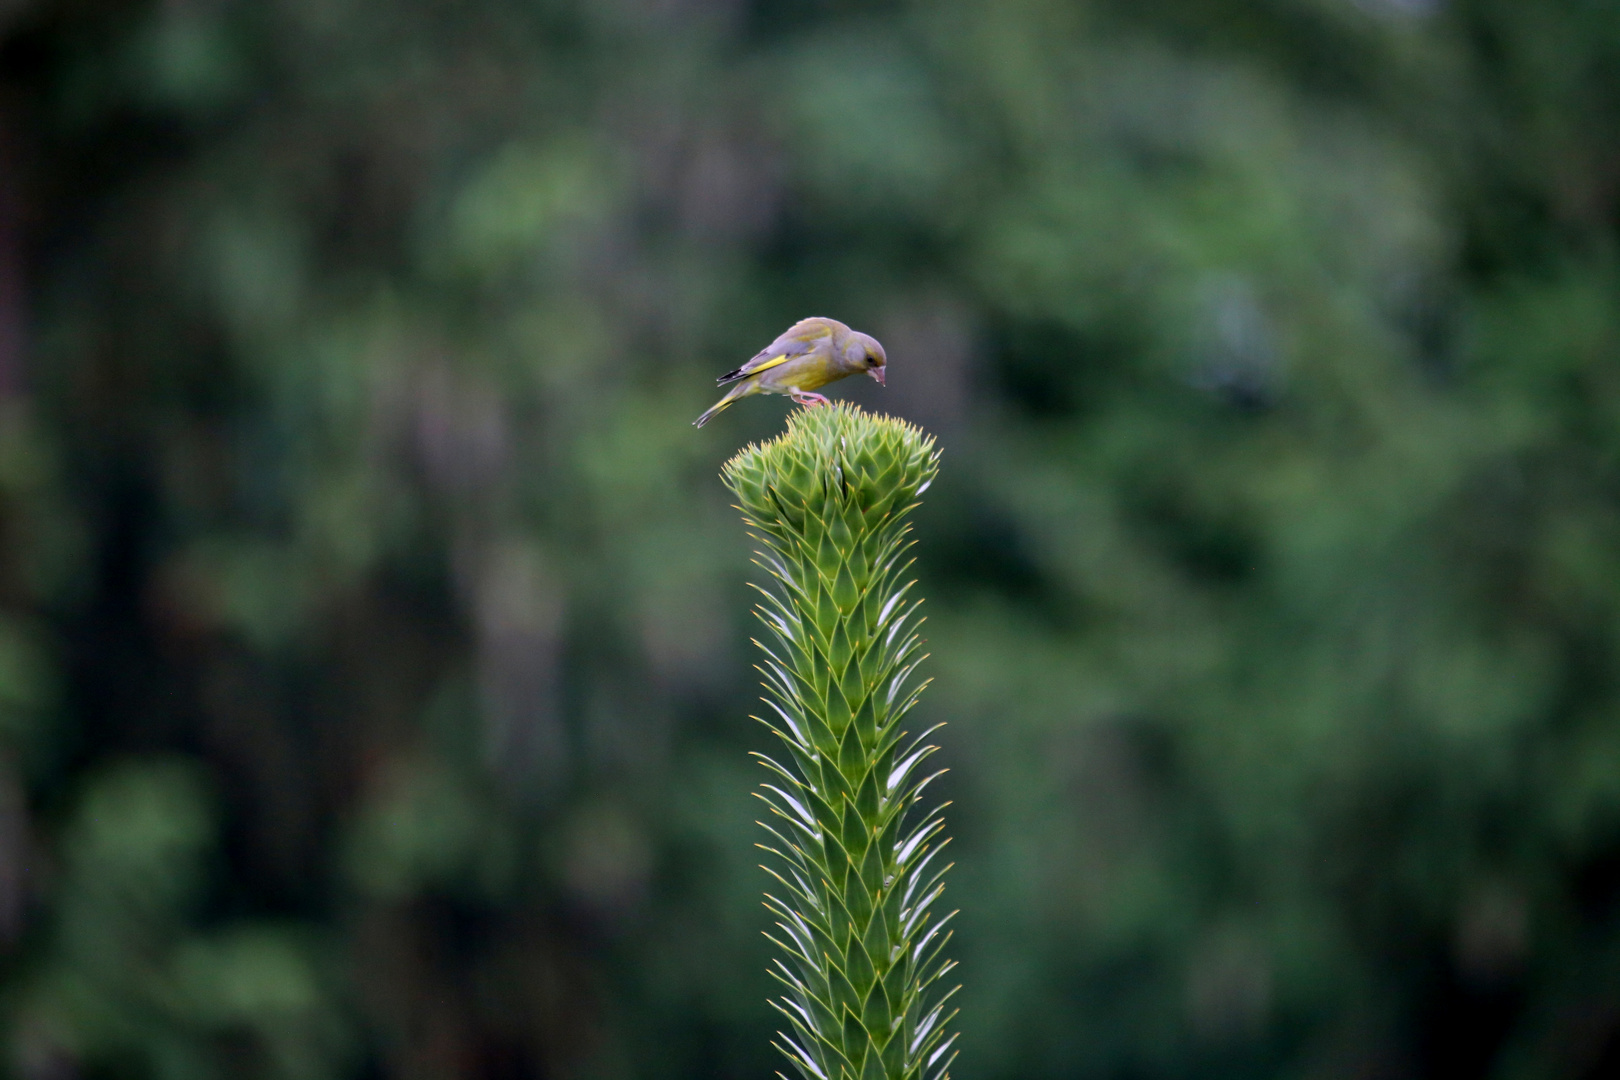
[871,358]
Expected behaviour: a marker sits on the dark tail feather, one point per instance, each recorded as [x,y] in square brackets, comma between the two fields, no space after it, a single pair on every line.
[715,410]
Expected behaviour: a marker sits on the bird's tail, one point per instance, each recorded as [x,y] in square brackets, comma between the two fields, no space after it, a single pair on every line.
[720,406]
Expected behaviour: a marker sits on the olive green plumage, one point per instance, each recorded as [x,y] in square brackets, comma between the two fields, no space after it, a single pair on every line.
[828,500]
[810,354]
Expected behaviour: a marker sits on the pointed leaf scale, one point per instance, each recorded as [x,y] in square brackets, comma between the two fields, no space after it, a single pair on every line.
[842,992]
[839,648]
[877,1014]
[878,938]
[837,863]
[844,592]
[894,1055]
[894,984]
[825,613]
[838,711]
[871,869]
[837,789]
[853,834]
[867,799]
[855,1036]
[851,756]
[858,901]
[873,1066]
[853,688]
[859,968]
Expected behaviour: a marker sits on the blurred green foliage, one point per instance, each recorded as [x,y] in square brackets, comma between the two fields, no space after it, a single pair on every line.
[373,628]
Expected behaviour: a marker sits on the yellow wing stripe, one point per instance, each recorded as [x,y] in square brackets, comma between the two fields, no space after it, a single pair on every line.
[766,365]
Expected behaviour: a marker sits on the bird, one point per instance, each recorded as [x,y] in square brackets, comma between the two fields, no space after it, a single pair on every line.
[810,354]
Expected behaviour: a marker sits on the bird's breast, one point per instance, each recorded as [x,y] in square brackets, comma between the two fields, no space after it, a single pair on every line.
[804,373]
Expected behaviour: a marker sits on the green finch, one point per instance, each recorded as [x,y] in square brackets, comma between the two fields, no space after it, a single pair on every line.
[810,354]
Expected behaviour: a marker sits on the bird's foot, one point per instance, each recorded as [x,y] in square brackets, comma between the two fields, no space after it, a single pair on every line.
[809,400]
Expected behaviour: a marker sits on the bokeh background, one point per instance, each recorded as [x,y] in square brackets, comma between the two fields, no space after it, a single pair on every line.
[374,630]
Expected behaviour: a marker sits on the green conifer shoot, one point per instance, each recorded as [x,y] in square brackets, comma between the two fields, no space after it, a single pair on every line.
[859,877]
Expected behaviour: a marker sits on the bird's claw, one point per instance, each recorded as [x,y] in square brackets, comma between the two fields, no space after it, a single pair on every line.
[809,400]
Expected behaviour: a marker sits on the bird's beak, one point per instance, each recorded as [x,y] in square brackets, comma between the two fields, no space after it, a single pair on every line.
[877,373]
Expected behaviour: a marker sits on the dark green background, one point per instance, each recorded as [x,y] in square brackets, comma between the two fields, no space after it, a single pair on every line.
[374,660]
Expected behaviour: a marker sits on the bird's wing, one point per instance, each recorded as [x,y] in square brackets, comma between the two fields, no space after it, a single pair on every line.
[796,340]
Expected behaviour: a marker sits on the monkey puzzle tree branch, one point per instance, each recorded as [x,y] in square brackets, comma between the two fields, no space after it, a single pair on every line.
[859,872]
